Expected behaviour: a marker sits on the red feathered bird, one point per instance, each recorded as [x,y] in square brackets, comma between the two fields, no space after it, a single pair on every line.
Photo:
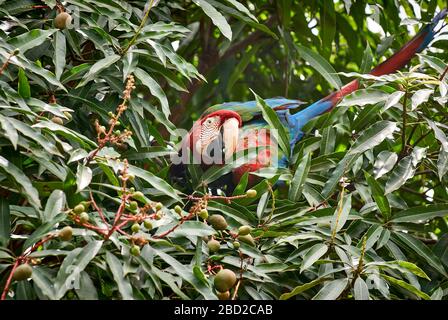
[226,128]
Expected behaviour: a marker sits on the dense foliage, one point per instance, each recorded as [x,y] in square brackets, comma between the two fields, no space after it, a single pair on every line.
[88,116]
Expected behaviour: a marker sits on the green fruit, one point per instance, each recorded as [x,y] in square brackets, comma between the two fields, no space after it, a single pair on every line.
[217,221]
[213,245]
[251,193]
[133,205]
[178,209]
[84,217]
[79,209]
[22,272]
[131,177]
[244,230]
[138,196]
[203,214]
[236,245]
[159,206]
[57,120]
[135,228]
[224,280]
[68,115]
[16,51]
[247,239]
[62,20]
[148,224]
[66,233]
[135,250]
[223,295]
[158,216]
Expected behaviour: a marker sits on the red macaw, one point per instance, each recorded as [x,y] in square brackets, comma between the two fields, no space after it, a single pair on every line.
[229,126]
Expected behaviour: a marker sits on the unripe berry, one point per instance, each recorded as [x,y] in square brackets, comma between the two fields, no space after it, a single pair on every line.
[133,205]
[57,120]
[224,280]
[244,230]
[78,209]
[62,20]
[135,228]
[22,272]
[148,224]
[178,209]
[66,233]
[217,221]
[223,295]
[159,206]
[213,245]
[135,250]
[236,245]
[251,193]
[203,214]
[84,217]
[158,216]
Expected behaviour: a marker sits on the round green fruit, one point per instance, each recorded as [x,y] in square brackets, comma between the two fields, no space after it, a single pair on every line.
[213,245]
[135,250]
[236,244]
[203,214]
[133,205]
[148,224]
[135,228]
[79,209]
[224,280]
[223,295]
[217,221]
[244,230]
[159,206]
[247,239]
[84,217]
[57,120]
[66,233]
[62,20]
[22,272]
[178,209]
[251,193]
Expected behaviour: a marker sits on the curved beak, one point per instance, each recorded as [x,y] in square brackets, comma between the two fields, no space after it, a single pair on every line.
[230,136]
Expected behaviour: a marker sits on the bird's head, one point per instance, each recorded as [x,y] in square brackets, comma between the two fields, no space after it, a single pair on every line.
[217,131]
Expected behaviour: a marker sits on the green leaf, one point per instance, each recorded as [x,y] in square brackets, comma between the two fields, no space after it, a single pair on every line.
[11,132]
[5,223]
[124,286]
[420,249]
[299,289]
[364,96]
[155,89]
[313,254]
[373,136]
[96,69]
[320,64]
[24,86]
[30,39]
[156,182]
[360,289]
[421,214]
[442,163]
[298,181]
[402,173]
[55,205]
[75,262]
[341,213]
[378,195]
[59,54]
[332,290]
[187,274]
[367,60]
[406,286]
[413,268]
[83,177]
[216,17]
[192,228]
[28,190]
[270,116]
[384,162]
